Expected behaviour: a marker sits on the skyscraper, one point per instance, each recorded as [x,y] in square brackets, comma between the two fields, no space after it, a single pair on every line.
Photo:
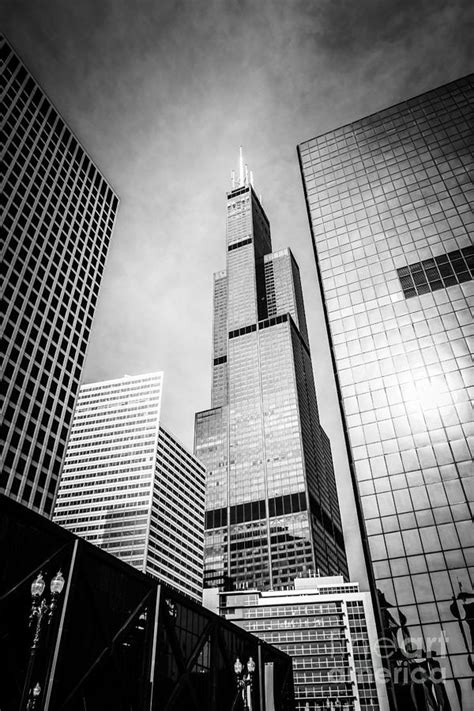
[58,214]
[271,502]
[388,200]
[130,487]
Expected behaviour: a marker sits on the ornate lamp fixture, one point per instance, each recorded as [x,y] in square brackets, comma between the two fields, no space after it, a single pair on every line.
[244,678]
[42,606]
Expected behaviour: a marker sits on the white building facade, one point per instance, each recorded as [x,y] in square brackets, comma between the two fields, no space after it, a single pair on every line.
[129,487]
[328,628]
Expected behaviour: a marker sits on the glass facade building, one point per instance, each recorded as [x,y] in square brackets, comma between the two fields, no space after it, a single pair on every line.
[389,199]
[129,486]
[271,502]
[328,628]
[58,213]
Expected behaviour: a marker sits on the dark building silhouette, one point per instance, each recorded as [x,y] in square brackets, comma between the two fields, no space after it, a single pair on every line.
[115,638]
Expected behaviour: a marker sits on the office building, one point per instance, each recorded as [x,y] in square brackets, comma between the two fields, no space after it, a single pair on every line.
[115,637]
[389,199]
[328,628]
[130,487]
[271,502]
[58,214]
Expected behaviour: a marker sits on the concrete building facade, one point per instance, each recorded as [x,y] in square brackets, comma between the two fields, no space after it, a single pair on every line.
[130,487]
[328,628]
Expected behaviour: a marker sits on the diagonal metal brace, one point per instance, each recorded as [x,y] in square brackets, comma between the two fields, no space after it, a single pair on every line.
[107,650]
[186,667]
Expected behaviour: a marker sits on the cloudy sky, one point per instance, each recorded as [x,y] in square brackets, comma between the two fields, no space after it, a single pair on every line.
[162,93]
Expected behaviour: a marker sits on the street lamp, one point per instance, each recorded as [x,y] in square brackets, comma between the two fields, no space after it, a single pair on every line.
[41,608]
[244,680]
[39,605]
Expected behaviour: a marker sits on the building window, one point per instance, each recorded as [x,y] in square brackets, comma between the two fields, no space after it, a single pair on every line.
[437,273]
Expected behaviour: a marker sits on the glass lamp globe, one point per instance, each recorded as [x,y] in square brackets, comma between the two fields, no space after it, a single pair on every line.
[251,665]
[238,666]
[37,586]
[57,583]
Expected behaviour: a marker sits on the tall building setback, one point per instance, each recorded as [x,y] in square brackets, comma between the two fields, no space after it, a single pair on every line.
[328,628]
[130,487]
[58,214]
[271,502]
[389,199]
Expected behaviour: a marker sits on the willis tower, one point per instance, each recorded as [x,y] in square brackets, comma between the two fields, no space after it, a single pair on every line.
[272,510]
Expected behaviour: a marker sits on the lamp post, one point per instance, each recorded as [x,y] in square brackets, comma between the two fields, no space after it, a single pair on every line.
[244,680]
[41,608]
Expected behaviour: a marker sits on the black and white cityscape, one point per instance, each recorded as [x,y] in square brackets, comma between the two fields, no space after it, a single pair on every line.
[237,430]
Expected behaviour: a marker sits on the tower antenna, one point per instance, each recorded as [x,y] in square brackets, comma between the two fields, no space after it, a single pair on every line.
[241,167]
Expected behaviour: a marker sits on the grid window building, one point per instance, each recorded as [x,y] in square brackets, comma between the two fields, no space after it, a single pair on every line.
[390,204]
[58,214]
[128,485]
[271,502]
[328,628]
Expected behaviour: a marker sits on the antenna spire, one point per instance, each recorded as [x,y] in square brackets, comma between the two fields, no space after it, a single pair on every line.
[244,179]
